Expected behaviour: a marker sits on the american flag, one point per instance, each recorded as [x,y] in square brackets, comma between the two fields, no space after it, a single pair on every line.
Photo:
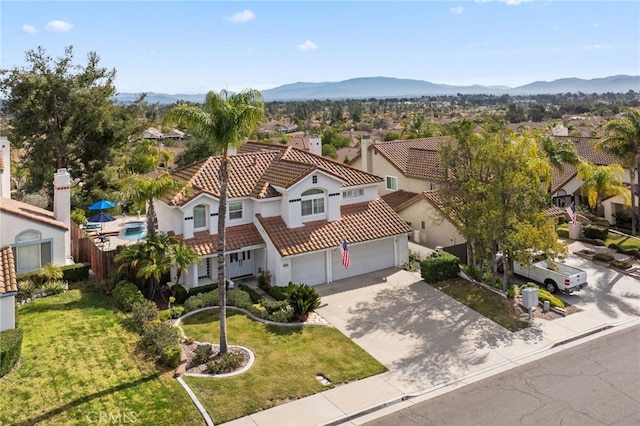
[346,260]
[571,210]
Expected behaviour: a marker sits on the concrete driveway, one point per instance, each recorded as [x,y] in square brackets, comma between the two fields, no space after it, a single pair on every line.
[422,336]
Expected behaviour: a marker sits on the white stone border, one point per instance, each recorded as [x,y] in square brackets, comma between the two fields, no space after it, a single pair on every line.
[250,315]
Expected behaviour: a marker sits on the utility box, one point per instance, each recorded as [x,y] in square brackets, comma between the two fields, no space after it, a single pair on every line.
[530,297]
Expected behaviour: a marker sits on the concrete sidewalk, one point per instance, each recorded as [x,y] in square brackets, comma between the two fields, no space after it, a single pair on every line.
[430,343]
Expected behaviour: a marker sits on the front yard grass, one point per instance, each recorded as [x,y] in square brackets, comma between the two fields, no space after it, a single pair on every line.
[79,365]
[287,362]
[483,301]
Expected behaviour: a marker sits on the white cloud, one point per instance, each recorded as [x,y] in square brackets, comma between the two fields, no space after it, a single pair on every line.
[457,10]
[242,17]
[58,26]
[509,2]
[307,45]
[596,46]
[29,29]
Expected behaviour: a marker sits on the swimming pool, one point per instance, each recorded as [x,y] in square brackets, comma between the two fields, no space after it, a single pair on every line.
[134,230]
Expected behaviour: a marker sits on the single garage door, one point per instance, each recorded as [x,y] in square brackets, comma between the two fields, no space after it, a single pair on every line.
[308,269]
[365,258]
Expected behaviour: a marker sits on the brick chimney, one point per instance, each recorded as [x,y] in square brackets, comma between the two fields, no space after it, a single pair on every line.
[5,168]
[315,145]
[62,203]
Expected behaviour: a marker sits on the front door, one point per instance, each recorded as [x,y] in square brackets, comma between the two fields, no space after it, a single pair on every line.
[240,264]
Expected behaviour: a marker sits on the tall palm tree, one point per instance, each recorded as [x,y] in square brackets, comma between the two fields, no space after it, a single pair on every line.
[145,190]
[223,120]
[622,139]
[182,257]
[559,151]
[600,182]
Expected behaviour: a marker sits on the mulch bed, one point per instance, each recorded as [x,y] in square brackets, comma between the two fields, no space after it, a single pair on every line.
[520,312]
[189,351]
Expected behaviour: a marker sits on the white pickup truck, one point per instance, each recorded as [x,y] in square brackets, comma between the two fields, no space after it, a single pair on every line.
[560,277]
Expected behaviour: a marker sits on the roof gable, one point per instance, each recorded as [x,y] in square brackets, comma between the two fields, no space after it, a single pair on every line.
[29,212]
[411,155]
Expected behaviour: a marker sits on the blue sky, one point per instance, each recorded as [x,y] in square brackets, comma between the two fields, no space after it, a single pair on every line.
[197,46]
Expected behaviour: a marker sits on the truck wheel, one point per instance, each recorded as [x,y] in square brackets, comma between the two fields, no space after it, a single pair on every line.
[550,286]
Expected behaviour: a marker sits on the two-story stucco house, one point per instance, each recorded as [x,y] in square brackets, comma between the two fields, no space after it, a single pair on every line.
[288,211]
[37,236]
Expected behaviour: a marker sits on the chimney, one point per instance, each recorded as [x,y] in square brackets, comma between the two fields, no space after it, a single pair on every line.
[365,143]
[5,168]
[232,150]
[62,204]
[315,145]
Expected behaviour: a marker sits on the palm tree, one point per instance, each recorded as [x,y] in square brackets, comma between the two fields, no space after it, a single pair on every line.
[182,257]
[559,151]
[223,120]
[622,139]
[600,182]
[146,189]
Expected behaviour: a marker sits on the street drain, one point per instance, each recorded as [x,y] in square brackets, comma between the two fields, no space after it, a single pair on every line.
[323,380]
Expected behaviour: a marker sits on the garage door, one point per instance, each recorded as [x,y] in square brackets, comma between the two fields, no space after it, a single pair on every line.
[308,269]
[365,258]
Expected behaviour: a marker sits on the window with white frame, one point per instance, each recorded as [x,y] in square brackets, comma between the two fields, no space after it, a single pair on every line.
[235,210]
[200,216]
[312,202]
[352,193]
[31,251]
[392,183]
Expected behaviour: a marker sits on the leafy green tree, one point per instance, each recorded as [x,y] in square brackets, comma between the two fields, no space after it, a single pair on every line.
[333,137]
[622,139]
[223,120]
[144,158]
[143,190]
[329,151]
[63,115]
[600,182]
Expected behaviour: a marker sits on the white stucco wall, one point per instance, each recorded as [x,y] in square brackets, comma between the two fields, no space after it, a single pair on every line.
[438,231]
[7,311]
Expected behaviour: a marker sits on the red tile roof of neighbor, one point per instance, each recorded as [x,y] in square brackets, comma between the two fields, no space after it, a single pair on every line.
[236,238]
[27,211]
[407,155]
[258,169]
[398,200]
[359,223]
[8,280]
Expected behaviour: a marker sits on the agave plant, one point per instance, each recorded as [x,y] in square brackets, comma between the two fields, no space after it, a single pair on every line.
[302,299]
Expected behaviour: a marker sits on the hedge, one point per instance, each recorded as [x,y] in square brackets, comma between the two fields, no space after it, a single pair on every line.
[596,232]
[125,294]
[440,266]
[563,233]
[76,272]
[603,257]
[10,349]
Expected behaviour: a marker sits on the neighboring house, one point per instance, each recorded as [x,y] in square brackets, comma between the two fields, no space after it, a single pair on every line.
[37,236]
[8,289]
[152,133]
[173,134]
[411,165]
[566,186]
[288,212]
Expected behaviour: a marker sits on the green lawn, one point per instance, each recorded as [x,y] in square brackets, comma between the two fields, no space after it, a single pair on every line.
[627,243]
[287,362]
[481,300]
[79,363]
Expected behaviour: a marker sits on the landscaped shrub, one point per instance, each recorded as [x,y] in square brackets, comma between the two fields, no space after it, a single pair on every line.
[201,355]
[55,287]
[239,299]
[171,355]
[620,264]
[283,315]
[603,257]
[142,312]
[158,336]
[180,293]
[544,295]
[276,292]
[595,242]
[176,312]
[202,289]
[596,232]
[26,289]
[76,272]
[113,279]
[202,300]
[302,299]
[49,272]
[274,306]
[513,291]
[439,266]
[255,296]
[125,294]
[264,279]
[226,363]
[563,233]
[10,349]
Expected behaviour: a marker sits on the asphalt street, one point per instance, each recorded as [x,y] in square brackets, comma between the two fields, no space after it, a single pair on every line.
[596,382]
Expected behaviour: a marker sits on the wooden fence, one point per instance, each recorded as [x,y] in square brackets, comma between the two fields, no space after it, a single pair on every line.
[84,249]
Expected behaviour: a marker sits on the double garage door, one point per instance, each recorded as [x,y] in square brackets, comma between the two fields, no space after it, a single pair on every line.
[311,269]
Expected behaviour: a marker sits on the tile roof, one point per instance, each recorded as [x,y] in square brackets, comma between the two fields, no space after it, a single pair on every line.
[27,211]
[411,155]
[398,200]
[236,238]
[8,280]
[359,223]
[257,169]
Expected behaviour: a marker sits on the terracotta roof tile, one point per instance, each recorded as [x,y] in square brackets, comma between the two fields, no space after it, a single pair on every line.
[256,168]
[237,237]
[398,200]
[425,164]
[27,211]
[398,153]
[360,222]
[8,280]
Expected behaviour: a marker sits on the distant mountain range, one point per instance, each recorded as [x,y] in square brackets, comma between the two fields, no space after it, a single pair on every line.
[385,87]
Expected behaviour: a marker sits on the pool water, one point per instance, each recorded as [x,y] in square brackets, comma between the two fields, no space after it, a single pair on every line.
[134,231]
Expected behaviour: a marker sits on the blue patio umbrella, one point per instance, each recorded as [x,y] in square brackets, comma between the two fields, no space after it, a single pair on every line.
[101,205]
[101,218]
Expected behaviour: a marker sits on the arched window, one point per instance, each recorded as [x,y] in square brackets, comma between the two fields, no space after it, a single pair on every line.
[31,251]
[200,216]
[312,202]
